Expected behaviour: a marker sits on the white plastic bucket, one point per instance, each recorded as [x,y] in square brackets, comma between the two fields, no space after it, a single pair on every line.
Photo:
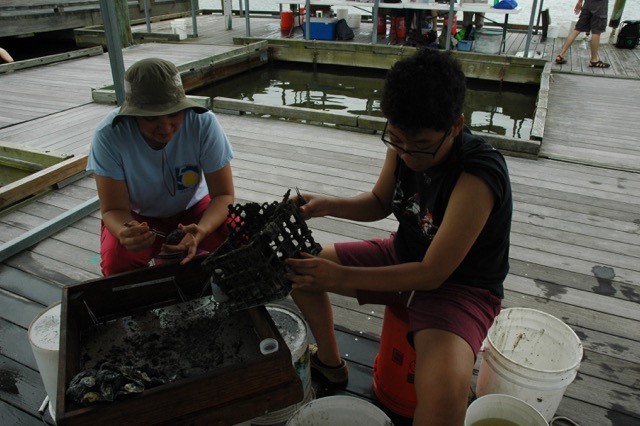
[487,40]
[497,409]
[44,336]
[530,355]
[339,410]
[342,13]
[294,332]
[354,20]
[179,26]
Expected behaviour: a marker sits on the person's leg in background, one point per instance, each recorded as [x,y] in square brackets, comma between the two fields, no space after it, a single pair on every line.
[598,25]
[560,58]
[479,21]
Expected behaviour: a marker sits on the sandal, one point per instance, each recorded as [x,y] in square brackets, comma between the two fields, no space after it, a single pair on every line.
[598,64]
[560,60]
[333,376]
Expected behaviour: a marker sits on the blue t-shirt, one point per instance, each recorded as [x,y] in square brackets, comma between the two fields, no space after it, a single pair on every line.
[165,182]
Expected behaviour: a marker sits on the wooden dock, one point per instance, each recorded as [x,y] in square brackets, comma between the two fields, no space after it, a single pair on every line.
[575,250]
[29,17]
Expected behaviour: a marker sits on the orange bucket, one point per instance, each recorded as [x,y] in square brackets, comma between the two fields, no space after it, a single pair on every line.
[286,20]
[395,365]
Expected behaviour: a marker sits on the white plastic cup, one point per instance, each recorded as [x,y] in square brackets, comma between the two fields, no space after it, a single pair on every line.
[354,20]
[44,336]
[179,27]
[293,329]
[491,409]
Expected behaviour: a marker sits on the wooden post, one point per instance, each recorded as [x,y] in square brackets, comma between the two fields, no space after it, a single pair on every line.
[227,9]
[616,13]
[114,46]
[124,25]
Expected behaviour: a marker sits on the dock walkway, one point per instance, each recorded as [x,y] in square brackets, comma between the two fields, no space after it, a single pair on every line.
[575,249]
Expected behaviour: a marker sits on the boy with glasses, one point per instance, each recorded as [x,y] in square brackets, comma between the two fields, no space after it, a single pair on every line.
[446,263]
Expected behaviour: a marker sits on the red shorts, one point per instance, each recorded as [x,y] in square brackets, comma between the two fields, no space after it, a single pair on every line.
[460,309]
[115,258]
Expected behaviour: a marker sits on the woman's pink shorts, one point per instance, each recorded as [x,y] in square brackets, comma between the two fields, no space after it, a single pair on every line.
[115,258]
[460,309]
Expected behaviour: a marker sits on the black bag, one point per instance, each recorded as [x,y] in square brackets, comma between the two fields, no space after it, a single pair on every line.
[629,35]
[343,30]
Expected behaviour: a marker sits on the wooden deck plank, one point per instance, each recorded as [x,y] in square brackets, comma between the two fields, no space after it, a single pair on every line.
[71,83]
[17,309]
[29,287]
[10,415]
[619,113]
[14,345]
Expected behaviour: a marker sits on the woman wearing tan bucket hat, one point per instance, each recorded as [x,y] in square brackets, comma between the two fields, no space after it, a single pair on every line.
[161,162]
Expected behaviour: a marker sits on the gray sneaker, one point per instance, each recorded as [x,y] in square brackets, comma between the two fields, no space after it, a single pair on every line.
[332,376]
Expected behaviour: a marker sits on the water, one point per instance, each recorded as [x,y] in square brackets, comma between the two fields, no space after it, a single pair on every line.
[488,109]
[560,11]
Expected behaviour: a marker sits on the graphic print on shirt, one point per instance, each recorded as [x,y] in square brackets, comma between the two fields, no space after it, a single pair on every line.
[187,176]
[410,207]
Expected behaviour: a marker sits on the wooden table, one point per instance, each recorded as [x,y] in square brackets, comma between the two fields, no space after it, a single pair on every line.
[412,5]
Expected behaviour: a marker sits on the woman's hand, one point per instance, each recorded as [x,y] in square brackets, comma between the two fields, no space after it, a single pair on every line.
[136,236]
[193,234]
[312,273]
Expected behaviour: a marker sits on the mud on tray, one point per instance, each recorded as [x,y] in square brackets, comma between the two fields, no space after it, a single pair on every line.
[137,352]
[249,266]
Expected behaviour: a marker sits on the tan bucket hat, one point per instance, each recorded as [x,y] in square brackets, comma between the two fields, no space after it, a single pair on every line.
[153,87]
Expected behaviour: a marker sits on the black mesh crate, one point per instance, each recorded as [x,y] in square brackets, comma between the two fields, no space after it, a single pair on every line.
[249,266]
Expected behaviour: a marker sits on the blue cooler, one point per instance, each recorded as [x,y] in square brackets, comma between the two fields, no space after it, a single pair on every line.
[321,28]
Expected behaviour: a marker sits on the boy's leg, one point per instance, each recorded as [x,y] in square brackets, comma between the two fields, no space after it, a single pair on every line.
[317,311]
[316,307]
[448,326]
[444,366]
[479,21]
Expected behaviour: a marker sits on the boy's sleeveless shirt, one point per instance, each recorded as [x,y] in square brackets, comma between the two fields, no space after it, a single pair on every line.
[421,198]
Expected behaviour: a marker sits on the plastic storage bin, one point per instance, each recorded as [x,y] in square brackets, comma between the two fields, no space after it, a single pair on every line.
[321,28]
[465,45]
[488,40]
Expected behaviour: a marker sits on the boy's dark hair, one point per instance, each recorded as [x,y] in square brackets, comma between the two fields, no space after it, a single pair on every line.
[424,91]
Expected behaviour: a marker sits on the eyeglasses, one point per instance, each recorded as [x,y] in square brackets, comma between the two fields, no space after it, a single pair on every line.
[412,152]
